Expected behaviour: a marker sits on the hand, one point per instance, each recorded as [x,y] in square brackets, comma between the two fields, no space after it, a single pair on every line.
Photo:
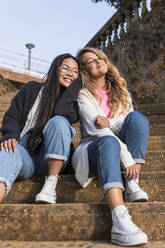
[9,145]
[102,122]
[133,171]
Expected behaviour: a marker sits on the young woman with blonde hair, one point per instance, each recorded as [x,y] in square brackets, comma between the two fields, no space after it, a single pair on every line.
[115,133]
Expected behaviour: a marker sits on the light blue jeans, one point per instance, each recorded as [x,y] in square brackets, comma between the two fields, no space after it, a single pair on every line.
[104,152]
[57,137]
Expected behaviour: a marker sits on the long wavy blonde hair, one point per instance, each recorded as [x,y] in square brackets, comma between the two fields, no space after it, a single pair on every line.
[114,83]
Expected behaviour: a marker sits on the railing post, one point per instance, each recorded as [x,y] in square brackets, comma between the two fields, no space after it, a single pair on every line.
[136,6]
[103,39]
[144,8]
[109,33]
[115,27]
[98,44]
[128,16]
[122,31]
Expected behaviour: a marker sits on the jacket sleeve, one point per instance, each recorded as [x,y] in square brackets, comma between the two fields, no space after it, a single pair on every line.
[11,124]
[67,104]
[88,113]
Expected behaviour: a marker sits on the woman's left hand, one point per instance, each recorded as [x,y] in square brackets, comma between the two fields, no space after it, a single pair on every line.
[133,171]
[102,122]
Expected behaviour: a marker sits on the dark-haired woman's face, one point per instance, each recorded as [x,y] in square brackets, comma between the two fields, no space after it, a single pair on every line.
[68,72]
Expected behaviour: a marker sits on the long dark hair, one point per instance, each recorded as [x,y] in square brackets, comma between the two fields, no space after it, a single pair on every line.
[52,90]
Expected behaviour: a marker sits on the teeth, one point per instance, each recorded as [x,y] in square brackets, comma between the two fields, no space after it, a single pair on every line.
[68,80]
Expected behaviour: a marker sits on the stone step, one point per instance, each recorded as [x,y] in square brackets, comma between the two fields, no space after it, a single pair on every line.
[5,101]
[9,95]
[73,244]
[156,119]
[71,222]
[155,161]
[70,191]
[156,143]
[3,108]
[157,130]
[157,124]
[25,191]
[152,108]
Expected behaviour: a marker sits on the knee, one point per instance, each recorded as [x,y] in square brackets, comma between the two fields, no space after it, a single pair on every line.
[57,122]
[59,125]
[138,119]
[110,141]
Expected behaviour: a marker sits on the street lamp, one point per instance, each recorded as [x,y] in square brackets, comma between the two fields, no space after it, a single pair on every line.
[29,47]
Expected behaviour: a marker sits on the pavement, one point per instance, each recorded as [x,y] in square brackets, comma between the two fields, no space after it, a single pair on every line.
[72,244]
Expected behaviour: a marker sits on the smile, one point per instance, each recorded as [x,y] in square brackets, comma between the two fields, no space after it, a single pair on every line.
[68,80]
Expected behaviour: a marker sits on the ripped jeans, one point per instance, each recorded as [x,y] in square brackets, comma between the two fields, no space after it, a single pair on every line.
[22,164]
[104,152]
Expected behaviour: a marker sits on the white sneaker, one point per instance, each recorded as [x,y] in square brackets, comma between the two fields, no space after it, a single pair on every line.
[134,193]
[48,192]
[124,232]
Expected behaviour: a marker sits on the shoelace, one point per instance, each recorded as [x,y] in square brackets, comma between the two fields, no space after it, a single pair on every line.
[55,175]
[127,224]
[134,187]
[50,186]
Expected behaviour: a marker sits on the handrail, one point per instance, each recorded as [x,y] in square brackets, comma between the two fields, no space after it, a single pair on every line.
[120,23]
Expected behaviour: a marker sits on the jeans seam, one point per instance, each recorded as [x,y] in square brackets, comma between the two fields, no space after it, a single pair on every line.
[139,160]
[125,140]
[14,176]
[101,169]
[110,185]
[56,156]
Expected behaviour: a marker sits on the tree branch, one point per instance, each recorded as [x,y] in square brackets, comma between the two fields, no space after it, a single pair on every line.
[116,3]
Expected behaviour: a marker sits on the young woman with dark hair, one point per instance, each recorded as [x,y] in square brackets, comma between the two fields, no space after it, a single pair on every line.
[36,129]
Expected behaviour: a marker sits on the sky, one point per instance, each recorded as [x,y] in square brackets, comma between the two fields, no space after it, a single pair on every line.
[53,26]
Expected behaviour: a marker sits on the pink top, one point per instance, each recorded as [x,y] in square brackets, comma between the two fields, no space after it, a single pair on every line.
[104,96]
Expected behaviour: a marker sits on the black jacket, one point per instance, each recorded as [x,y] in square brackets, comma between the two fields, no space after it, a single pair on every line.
[16,116]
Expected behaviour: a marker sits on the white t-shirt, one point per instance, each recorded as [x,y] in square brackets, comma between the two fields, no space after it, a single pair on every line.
[31,119]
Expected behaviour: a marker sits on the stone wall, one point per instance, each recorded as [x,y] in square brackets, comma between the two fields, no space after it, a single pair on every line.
[140,56]
[138,49]
[6,86]
[19,79]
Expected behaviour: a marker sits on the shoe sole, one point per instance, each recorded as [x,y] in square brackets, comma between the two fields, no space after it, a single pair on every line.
[134,198]
[139,240]
[127,199]
[43,199]
[43,202]
[116,242]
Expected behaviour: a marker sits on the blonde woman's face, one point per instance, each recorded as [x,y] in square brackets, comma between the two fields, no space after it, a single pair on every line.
[95,65]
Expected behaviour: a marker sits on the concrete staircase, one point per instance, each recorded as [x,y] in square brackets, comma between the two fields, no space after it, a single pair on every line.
[82,214]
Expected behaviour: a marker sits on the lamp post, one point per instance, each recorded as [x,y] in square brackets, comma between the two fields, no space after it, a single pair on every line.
[29,47]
